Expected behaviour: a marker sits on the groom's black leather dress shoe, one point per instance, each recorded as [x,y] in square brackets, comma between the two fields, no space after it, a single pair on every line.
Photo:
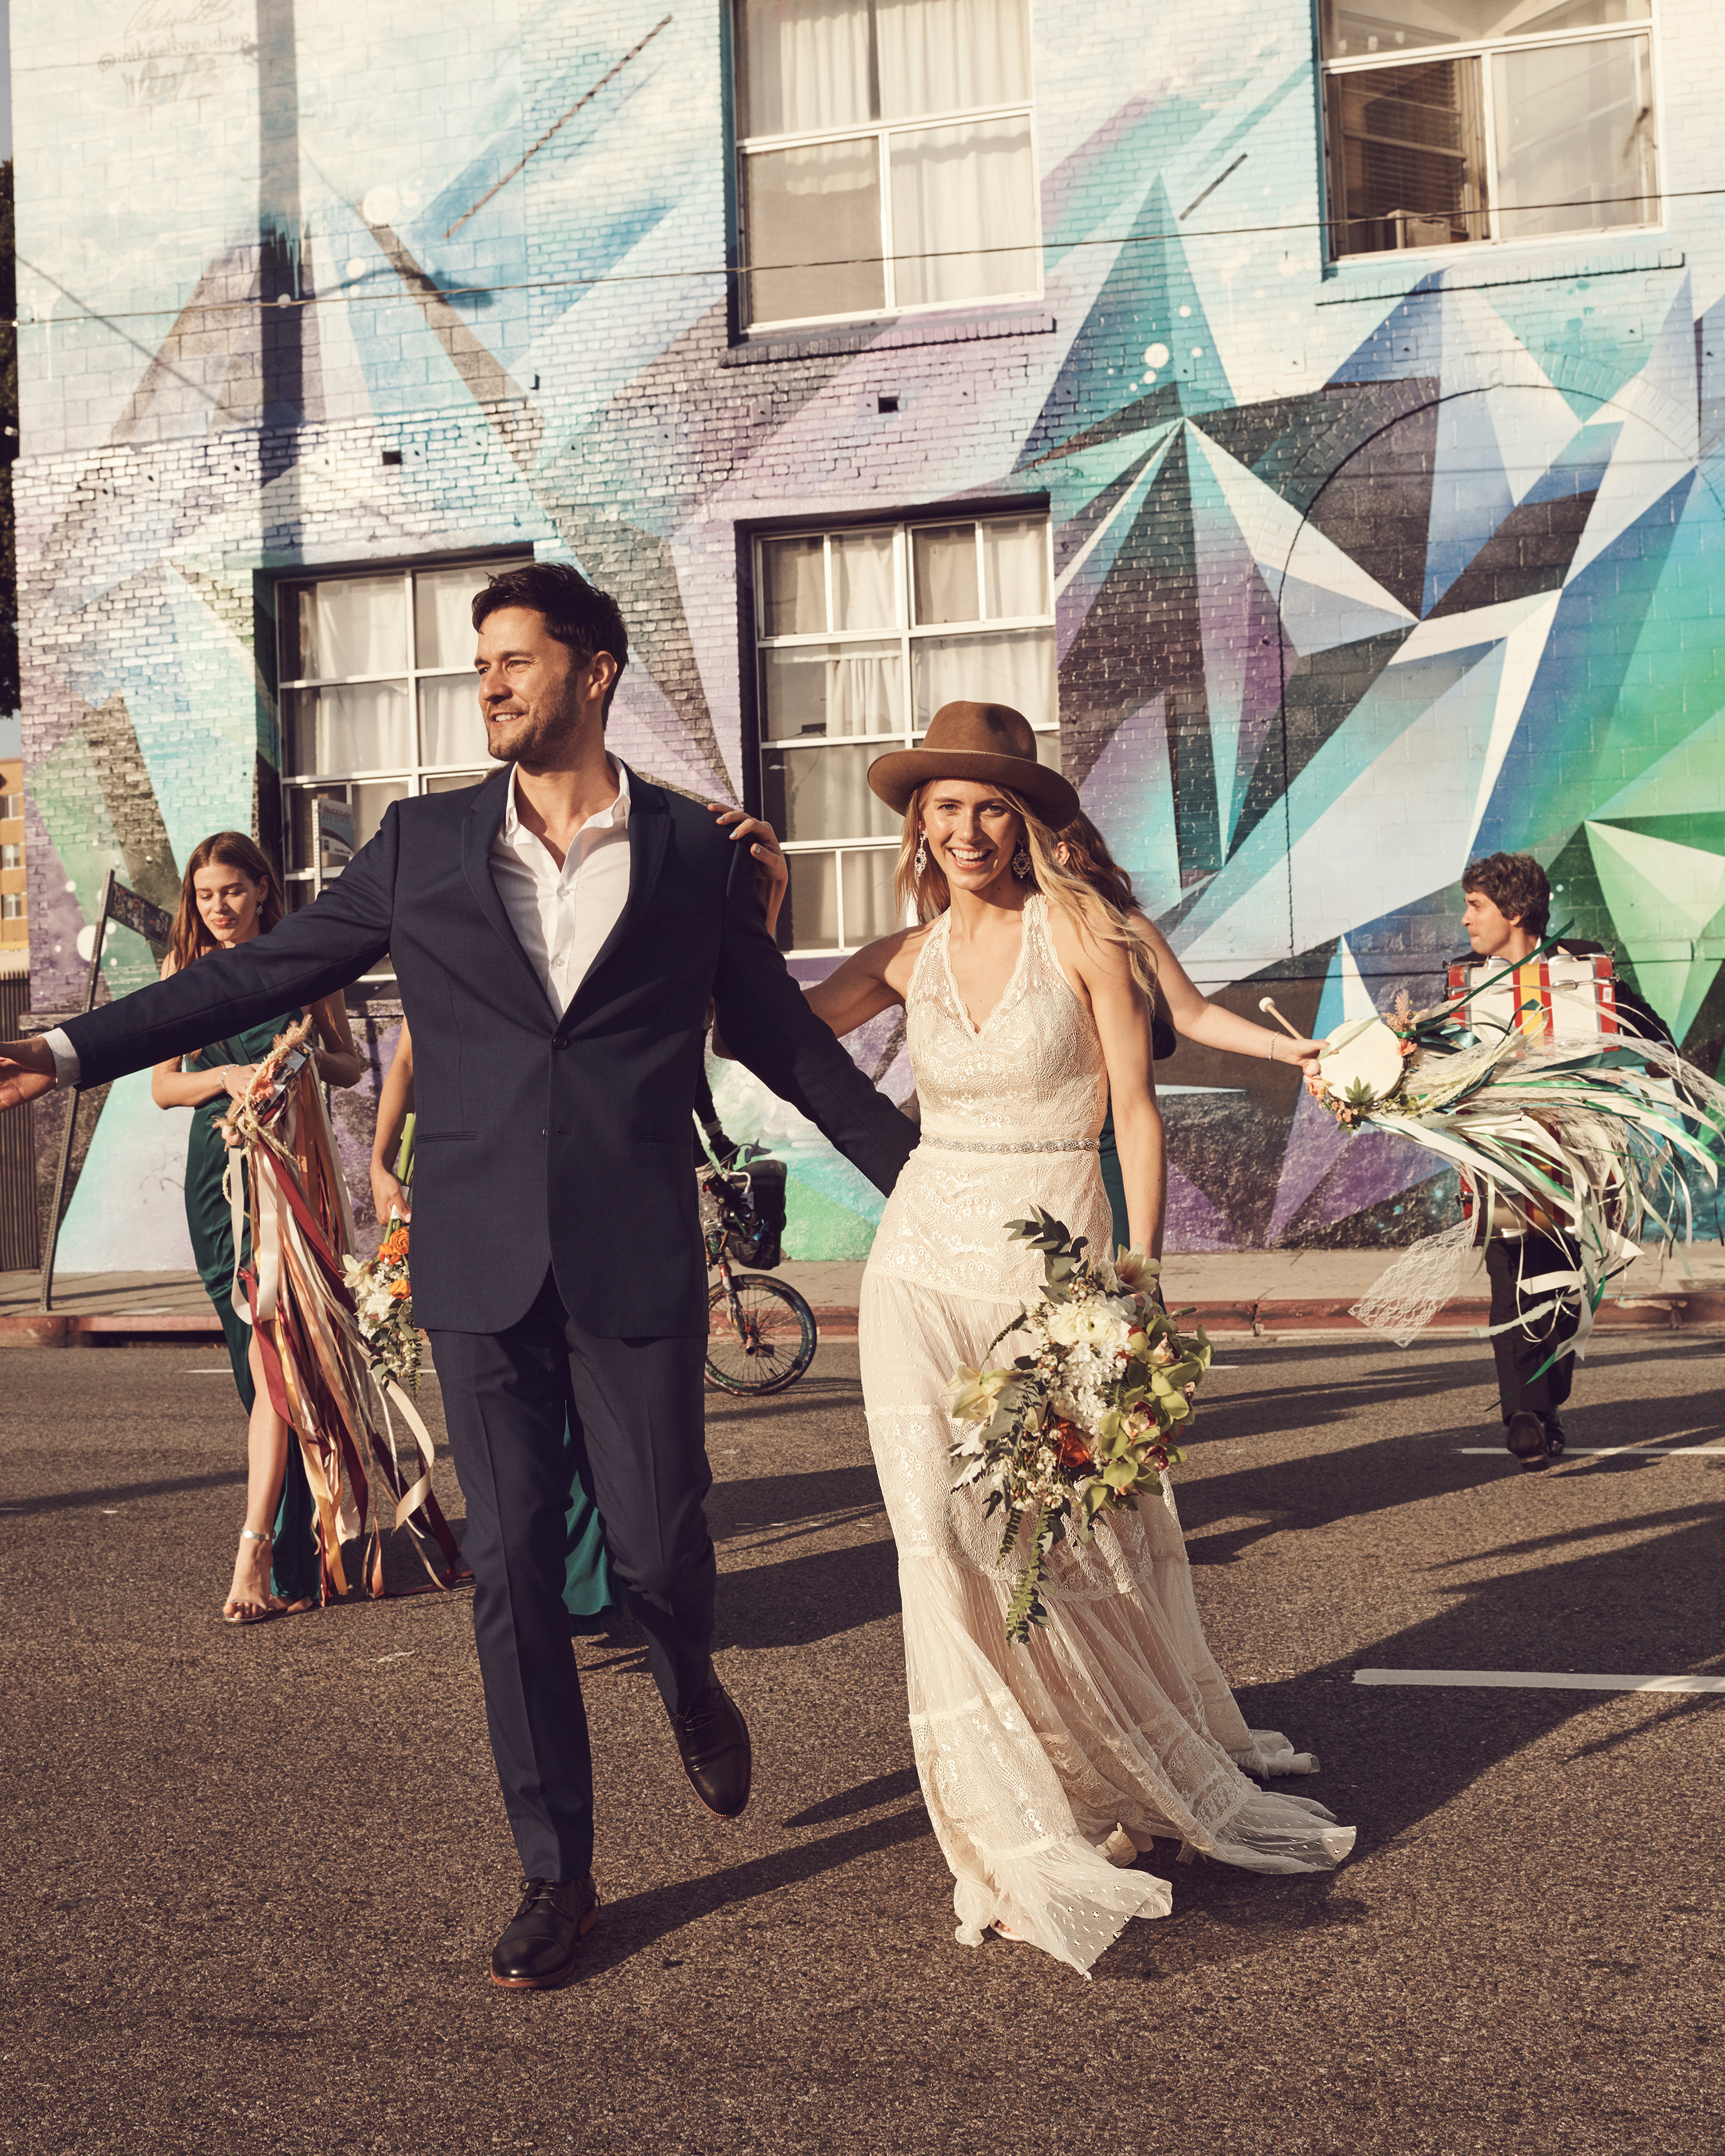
[541,1943]
[1524,1434]
[714,1740]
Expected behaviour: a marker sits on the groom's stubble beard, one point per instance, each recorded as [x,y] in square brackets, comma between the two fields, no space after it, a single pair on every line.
[539,736]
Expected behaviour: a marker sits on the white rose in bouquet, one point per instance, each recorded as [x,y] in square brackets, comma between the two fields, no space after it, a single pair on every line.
[1064,1323]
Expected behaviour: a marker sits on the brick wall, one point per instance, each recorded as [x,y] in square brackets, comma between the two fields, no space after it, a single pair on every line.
[1363,568]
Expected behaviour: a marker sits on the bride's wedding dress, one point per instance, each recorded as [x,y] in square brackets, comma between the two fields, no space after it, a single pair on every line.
[1115,1715]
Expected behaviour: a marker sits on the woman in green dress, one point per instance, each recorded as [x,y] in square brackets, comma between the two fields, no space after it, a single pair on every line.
[230,895]
[586,1571]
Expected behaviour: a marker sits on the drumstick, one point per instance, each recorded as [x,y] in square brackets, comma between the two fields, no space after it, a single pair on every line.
[1265,1005]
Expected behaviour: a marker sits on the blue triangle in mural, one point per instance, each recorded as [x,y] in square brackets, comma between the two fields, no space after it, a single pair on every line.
[1410,341]
[1580,468]
[1146,335]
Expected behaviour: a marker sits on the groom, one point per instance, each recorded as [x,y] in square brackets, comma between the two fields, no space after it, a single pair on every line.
[557,933]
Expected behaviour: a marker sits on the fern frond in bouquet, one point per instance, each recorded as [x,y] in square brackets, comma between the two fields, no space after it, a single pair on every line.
[1083,1420]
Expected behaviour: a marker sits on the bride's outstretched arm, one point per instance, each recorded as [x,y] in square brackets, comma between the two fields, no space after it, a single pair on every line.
[869,982]
[1122,1018]
[1198,1018]
[854,992]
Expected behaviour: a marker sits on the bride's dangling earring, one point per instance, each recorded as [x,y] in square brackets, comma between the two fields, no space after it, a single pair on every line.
[1023,867]
[921,861]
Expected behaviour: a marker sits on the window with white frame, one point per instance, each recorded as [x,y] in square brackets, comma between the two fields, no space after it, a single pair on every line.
[886,159]
[13,905]
[1518,118]
[12,857]
[863,635]
[12,808]
[377,703]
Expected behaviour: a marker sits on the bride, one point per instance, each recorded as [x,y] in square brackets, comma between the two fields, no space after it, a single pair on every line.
[1046,1768]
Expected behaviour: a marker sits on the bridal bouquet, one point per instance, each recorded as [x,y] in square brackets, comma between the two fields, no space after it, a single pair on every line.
[1082,1421]
[383,1303]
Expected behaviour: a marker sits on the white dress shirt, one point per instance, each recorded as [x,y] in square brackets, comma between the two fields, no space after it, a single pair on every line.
[563,915]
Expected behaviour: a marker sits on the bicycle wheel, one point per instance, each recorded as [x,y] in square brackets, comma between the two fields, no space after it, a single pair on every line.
[766,1344]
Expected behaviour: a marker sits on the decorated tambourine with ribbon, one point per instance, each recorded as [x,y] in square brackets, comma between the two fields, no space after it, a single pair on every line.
[1581,1132]
[336,1388]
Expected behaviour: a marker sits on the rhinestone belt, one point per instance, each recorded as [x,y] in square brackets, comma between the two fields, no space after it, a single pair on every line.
[1012,1145]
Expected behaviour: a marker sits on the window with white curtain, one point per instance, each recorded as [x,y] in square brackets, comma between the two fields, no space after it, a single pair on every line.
[862,635]
[886,155]
[1452,120]
[377,703]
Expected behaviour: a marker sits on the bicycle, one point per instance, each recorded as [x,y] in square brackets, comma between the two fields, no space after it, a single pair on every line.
[761,1332]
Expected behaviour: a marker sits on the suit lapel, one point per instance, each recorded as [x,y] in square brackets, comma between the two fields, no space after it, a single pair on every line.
[648,833]
[479,828]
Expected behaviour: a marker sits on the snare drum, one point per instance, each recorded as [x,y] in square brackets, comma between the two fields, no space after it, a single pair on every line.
[1561,997]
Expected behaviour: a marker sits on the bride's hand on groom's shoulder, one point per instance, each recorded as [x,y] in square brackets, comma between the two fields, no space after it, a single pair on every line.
[772,875]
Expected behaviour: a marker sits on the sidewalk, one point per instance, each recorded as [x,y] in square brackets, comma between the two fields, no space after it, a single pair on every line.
[1264,1292]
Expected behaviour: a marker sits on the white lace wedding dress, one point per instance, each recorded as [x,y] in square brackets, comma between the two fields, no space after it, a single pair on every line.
[1115,1716]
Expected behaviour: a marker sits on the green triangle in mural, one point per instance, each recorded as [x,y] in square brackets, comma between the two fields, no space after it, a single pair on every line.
[1667,787]
[1667,903]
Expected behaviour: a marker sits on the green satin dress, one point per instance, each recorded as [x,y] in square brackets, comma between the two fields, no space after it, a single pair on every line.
[1108,1158]
[297,1571]
[587,1570]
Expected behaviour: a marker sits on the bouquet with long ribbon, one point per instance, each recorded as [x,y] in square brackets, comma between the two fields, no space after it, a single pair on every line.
[1582,1140]
[284,1185]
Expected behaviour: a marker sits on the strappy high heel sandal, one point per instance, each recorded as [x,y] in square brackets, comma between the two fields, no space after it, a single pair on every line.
[272,1607]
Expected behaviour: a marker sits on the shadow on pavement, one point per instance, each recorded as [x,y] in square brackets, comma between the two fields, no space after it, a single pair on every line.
[805,1599]
[120,1493]
[627,1926]
[756,1505]
[862,1798]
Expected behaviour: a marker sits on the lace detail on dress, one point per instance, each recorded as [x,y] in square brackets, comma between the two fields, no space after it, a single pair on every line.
[1114,1716]
[1010,1114]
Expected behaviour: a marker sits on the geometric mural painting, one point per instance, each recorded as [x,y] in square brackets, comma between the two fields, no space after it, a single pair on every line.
[1356,576]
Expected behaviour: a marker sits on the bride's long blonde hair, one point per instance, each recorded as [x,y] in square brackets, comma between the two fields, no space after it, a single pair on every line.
[1089,911]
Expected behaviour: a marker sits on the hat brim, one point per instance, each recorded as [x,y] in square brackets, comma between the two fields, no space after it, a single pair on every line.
[894,778]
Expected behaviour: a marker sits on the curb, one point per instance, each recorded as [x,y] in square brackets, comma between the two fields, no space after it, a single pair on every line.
[1701,1309]
[110,1328]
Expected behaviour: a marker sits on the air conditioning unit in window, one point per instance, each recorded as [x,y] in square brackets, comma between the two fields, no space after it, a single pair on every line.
[1413,227]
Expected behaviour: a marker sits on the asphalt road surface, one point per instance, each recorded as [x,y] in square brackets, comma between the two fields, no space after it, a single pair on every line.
[252,1878]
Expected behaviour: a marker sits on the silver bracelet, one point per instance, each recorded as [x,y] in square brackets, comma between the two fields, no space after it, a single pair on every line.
[1269,1052]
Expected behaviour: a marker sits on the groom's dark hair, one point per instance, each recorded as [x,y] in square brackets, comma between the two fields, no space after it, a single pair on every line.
[575,613]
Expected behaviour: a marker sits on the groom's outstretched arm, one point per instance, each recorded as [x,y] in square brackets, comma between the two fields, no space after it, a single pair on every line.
[769,1027]
[312,953]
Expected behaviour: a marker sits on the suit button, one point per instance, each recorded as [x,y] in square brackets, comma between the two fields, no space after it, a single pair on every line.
[559,1042]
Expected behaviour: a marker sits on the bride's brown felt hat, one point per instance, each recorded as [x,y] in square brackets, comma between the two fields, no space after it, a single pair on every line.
[989,742]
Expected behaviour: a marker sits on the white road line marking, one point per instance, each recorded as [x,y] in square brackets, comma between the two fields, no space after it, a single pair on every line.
[1539,1679]
[1603,1451]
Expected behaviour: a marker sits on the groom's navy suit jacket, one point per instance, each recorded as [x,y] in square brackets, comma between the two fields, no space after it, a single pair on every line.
[542,1144]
